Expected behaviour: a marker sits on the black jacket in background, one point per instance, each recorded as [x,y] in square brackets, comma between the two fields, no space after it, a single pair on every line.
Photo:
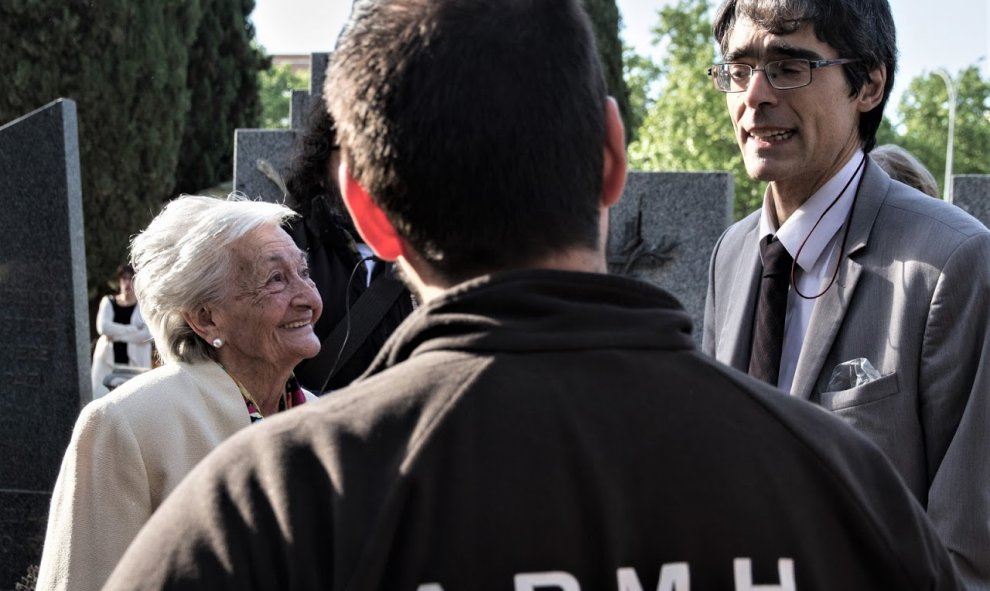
[541,429]
[333,258]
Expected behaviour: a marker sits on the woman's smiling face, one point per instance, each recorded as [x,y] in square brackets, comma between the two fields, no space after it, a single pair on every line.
[271,306]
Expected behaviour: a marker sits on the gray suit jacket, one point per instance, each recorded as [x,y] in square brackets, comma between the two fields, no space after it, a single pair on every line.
[911,296]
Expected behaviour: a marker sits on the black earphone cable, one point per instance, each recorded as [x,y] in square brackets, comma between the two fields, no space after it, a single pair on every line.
[842,247]
[347,322]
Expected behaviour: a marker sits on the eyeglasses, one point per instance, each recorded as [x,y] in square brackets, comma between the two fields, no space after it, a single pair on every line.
[781,74]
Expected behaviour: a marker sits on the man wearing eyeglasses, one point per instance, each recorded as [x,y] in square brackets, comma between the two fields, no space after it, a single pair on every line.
[846,288]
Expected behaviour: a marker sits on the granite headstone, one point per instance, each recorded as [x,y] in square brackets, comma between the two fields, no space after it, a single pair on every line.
[298,109]
[260,159]
[262,155]
[664,228]
[302,100]
[318,63]
[971,192]
[44,322]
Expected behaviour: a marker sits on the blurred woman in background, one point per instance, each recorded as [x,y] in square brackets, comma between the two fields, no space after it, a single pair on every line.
[124,338]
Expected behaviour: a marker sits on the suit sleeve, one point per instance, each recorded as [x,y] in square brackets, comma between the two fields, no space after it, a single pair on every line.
[955,408]
[101,500]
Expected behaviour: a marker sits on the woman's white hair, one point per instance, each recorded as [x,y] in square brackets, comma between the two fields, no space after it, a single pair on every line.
[183,261]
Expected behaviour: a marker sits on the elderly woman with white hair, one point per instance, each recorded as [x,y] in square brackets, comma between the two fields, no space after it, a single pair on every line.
[228,298]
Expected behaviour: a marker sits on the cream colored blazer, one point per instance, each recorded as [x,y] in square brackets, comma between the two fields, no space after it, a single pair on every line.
[128,451]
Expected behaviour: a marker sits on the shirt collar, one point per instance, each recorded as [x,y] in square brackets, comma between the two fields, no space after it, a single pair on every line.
[802,221]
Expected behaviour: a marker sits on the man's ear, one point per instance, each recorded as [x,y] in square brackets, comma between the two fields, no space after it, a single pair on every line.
[614,165]
[871,93]
[369,219]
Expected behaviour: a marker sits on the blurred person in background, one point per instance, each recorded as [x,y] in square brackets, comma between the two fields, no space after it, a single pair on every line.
[124,337]
[902,166]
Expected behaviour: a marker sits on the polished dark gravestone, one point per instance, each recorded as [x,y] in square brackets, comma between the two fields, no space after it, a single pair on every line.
[260,160]
[663,231]
[44,322]
[262,155]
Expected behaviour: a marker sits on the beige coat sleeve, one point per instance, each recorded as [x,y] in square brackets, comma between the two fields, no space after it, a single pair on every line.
[101,500]
[128,452]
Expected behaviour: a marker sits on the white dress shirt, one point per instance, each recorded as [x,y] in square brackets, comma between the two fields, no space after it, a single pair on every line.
[369,262]
[813,249]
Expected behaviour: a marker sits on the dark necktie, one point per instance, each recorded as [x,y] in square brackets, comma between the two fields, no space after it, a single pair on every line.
[771,308]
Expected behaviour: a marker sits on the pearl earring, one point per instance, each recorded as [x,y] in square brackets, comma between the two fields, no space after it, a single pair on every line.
[218,342]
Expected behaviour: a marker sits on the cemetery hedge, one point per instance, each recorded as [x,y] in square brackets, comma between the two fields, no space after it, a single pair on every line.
[143,74]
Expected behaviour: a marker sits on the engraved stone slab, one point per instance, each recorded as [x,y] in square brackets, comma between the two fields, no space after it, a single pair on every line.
[663,231]
[261,155]
[318,63]
[260,158]
[44,321]
[298,109]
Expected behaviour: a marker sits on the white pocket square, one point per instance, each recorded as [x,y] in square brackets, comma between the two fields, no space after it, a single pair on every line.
[852,373]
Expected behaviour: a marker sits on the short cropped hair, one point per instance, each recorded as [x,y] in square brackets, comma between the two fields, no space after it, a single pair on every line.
[857,29]
[902,166]
[476,125]
[184,261]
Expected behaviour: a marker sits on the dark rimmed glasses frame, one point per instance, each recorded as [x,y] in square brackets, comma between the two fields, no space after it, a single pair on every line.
[781,74]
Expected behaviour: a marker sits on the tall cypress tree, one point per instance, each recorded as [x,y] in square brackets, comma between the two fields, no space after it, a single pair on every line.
[124,62]
[223,77]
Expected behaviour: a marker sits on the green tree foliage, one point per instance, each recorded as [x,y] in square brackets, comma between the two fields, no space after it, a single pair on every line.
[605,19]
[124,62]
[223,79]
[688,128]
[275,90]
[886,134]
[924,116]
[641,75]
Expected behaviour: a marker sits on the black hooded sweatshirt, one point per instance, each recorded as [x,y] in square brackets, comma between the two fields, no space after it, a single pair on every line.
[543,430]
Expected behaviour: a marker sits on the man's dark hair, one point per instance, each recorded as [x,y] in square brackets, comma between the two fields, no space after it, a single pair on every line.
[859,29]
[477,125]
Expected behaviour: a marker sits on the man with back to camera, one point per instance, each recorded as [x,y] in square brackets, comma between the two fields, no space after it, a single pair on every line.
[873,297]
[536,423]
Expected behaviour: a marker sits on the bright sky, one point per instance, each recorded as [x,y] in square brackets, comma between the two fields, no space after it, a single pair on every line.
[931,34]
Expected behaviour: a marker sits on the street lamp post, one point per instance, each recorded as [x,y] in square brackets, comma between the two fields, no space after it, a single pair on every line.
[950,85]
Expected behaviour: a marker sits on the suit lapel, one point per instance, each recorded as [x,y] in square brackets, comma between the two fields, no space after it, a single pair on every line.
[738,325]
[830,309]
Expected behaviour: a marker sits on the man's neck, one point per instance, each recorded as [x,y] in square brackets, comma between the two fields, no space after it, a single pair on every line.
[427,286]
[786,198]
[784,204]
